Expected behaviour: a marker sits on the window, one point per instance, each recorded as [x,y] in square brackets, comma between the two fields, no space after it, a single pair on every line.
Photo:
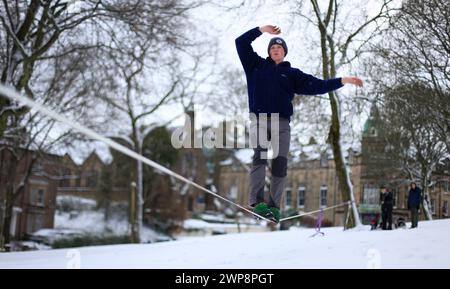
[323,196]
[37,197]
[288,197]
[371,195]
[445,186]
[91,180]
[38,168]
[233,192]
[65,178]
[445,208]
[324,160]
[190,204]
[301,197]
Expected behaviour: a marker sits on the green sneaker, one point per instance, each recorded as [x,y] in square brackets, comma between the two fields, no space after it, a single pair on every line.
[262,209]
[276,214]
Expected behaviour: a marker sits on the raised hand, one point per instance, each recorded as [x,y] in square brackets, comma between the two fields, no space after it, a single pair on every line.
[270,29]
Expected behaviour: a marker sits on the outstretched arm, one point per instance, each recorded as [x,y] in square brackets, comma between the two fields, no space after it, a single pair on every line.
[310,85]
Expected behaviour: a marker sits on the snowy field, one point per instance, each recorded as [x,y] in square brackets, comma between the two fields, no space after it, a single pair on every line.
[426,247]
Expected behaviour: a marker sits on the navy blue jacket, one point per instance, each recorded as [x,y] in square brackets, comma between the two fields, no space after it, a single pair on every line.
[414,198]
[271,87]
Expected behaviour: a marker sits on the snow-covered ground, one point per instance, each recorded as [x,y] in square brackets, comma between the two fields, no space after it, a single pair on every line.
[195,227]
[79,217]
[92,222]
[425,247]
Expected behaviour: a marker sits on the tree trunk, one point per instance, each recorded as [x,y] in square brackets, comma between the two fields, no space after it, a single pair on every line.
[134,231]
[12,192]
[11,165]
[426,204]
[426,200]
[5,236]
[7,228]
[2,217]
[140,198]
[352,216]
[334,137]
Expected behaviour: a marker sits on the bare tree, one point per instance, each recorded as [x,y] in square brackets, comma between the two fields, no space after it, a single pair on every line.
[149,85]
[42,38]
[416,49]
[414,145]
[230,93]
[30,136]
[411,73]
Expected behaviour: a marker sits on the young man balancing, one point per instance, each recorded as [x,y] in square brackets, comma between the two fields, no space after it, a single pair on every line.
[272,84]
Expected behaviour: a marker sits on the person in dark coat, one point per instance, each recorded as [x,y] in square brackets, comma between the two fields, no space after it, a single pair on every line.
[414,200]
[272,84]
[387,204]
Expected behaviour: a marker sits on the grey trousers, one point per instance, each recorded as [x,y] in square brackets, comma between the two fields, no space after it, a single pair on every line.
[280,146]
